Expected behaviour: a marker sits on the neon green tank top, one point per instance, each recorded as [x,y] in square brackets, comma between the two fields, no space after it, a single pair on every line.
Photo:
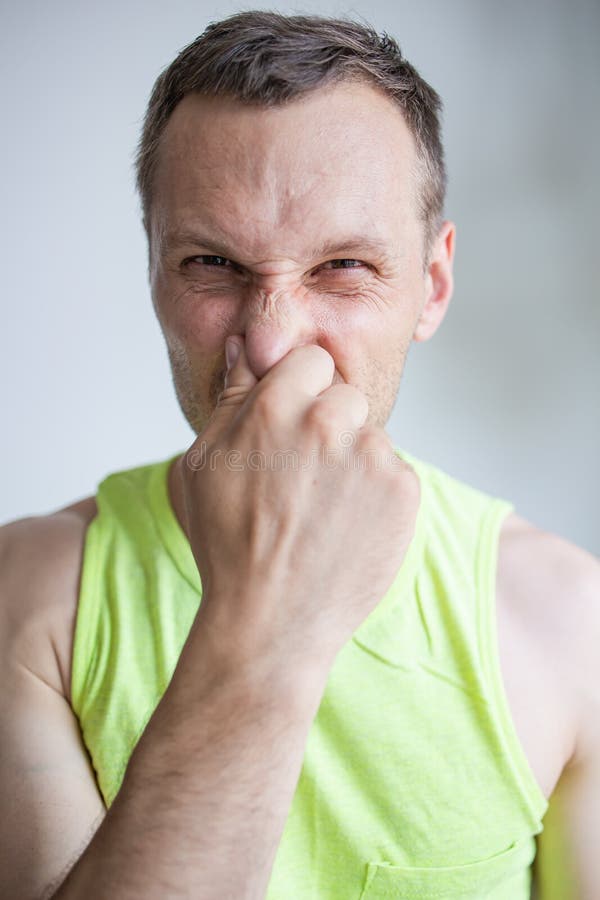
[414,783]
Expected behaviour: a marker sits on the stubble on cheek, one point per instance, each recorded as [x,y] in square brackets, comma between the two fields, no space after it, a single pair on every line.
[381,380]
[197,390]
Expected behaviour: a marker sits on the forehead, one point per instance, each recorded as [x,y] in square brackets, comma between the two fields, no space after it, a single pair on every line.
[343,152]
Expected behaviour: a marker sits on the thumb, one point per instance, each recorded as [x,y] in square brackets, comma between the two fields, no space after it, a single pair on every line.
[239,380]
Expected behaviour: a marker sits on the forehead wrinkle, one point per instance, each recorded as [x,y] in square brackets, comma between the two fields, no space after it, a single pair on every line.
[228,140]
[260,211]
[279,196]
[273,176]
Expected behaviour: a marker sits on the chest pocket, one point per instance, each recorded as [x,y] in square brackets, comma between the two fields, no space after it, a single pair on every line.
[505,876]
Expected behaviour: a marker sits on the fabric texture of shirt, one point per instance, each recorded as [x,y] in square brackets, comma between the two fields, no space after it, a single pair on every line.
[414,783]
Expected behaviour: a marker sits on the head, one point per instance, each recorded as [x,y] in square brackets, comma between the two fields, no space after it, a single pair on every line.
[292,182]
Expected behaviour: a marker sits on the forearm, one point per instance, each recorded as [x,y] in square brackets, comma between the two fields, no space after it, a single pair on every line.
[207,791]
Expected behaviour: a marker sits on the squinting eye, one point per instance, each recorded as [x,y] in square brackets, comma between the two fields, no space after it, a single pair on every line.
[344,264]
[219,261]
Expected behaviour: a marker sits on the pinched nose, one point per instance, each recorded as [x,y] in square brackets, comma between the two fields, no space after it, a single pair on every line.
[273,325]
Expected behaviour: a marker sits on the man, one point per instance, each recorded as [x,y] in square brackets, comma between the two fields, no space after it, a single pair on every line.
[292,662]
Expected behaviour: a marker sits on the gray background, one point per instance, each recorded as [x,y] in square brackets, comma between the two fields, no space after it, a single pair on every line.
[505,396]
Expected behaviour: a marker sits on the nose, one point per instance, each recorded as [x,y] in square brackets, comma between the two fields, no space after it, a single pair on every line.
[274,322]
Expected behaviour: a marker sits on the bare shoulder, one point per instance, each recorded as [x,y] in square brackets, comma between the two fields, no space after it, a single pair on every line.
[520,537]
[541,571]
[40,568]
[549,589]
[549,609]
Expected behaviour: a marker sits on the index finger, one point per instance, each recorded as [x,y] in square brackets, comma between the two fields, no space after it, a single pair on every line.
[308,368]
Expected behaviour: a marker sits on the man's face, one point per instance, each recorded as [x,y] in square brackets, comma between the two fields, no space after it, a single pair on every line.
[291,225]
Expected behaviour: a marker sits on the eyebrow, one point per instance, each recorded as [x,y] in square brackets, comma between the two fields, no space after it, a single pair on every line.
[331,247]
[354,242]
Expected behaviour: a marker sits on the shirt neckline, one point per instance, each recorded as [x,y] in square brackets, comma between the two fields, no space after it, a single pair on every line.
[372,632]
[167,523]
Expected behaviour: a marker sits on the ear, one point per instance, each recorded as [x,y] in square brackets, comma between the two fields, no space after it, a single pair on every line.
[439,284]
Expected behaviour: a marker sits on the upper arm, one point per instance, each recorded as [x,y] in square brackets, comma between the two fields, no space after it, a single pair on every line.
[568,859]
[48,794]
[567,864]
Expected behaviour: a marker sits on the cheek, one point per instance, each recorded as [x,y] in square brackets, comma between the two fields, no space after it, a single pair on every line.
[354,332]
[203,323]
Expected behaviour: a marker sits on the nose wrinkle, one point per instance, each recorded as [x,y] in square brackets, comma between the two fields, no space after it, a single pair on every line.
[269,307]
[274,324]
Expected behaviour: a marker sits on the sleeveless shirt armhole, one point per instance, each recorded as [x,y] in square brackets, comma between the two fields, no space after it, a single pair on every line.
[86,620]
[487,566]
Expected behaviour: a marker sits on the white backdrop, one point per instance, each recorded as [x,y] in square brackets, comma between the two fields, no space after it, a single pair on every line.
[505,396]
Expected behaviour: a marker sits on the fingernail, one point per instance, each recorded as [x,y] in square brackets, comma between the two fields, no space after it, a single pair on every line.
[232,351]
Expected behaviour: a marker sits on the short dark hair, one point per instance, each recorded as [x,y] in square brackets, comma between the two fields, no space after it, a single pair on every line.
[267,58]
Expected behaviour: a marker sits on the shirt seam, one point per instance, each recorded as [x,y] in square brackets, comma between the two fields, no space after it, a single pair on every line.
[486,576]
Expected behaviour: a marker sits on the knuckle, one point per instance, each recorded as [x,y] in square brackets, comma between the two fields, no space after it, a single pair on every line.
[351,399]
[321,419]
[269,401]
[407,483]
[371,437]
[232,396]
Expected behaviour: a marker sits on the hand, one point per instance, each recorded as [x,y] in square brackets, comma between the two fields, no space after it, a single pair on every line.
[293,559]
